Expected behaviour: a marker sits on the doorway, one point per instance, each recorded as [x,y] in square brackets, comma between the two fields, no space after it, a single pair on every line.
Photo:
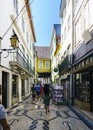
[4,88]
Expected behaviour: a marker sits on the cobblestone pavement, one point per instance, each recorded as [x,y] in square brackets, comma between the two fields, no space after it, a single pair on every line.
[31,116]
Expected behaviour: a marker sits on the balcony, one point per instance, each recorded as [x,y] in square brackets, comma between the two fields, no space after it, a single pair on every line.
[65,65]
[20,64]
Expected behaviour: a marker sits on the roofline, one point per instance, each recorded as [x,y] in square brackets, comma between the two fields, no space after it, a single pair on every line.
[30,18]
[62,6]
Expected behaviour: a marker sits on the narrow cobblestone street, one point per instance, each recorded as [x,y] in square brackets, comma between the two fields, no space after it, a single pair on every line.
[31,116]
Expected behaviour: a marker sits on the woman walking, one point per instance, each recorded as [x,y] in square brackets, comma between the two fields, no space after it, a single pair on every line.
[46,97]
[33,89]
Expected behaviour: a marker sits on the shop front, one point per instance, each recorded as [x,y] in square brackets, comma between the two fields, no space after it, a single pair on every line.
[82,90]
[82,70]
[83,84]
[65,82]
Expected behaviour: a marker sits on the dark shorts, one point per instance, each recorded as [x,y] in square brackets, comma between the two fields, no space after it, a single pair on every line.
[38,93]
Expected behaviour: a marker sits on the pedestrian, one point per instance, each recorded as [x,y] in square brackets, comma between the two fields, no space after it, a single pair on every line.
[46,98]
[33,90]
[38,90]
[3,118]
[41,90]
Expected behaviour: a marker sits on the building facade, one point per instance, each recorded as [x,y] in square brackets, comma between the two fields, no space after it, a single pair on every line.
[16,66]
[55,47]
[42,65]
[66,13]
[83,55]
[77,35]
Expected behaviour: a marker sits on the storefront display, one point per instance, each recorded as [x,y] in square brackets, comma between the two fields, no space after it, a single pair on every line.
[58,94]
[82,88]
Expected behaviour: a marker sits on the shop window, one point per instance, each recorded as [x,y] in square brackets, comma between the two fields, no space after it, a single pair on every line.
[82,87]
[14,86]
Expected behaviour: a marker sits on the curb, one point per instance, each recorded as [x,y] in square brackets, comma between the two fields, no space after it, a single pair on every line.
[86,120]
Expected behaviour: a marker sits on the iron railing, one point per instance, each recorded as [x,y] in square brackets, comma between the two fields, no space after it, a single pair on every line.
[65,65]
[22,60]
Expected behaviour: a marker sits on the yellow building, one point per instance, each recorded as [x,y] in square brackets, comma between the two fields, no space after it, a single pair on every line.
[42,64]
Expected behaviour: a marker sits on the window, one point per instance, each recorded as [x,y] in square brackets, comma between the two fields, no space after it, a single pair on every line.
[86,16]
[82,24]
[27,38]
[16,6]
[69,22]
[27,58]
[31,46]
[68,49]
[68,2]
[91,12]
[14,87]
[23,25]
[47,65]
[30,63]
[40,65]
[78,31]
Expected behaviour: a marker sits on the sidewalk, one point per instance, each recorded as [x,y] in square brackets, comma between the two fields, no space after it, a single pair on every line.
[29,115]
[85,116]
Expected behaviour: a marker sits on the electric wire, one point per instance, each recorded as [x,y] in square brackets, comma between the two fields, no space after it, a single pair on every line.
[16,18]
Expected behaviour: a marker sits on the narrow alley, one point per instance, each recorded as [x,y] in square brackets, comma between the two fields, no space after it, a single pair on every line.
[31,116]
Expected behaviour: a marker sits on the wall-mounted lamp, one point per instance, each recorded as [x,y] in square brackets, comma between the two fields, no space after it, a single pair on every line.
[14,44]
[14,41]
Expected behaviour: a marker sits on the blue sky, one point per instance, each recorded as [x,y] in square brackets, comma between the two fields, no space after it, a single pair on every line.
[45,13]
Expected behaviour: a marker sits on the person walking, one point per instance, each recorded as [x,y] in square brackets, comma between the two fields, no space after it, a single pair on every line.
[33,90]
[38,90]
[46,98]
[3,118]
[41,90]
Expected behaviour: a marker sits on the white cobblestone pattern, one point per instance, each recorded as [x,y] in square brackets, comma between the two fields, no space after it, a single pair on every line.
[59,118]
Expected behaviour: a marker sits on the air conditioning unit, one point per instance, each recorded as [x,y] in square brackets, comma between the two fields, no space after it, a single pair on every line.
[86,36]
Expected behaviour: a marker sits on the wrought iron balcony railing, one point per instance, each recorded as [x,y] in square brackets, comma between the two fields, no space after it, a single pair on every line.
[21,61]
[65,65]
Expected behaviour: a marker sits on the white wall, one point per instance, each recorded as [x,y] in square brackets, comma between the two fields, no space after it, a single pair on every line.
[66,31]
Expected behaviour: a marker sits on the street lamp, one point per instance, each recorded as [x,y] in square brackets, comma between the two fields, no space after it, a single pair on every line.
[14,41]
[14,44]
